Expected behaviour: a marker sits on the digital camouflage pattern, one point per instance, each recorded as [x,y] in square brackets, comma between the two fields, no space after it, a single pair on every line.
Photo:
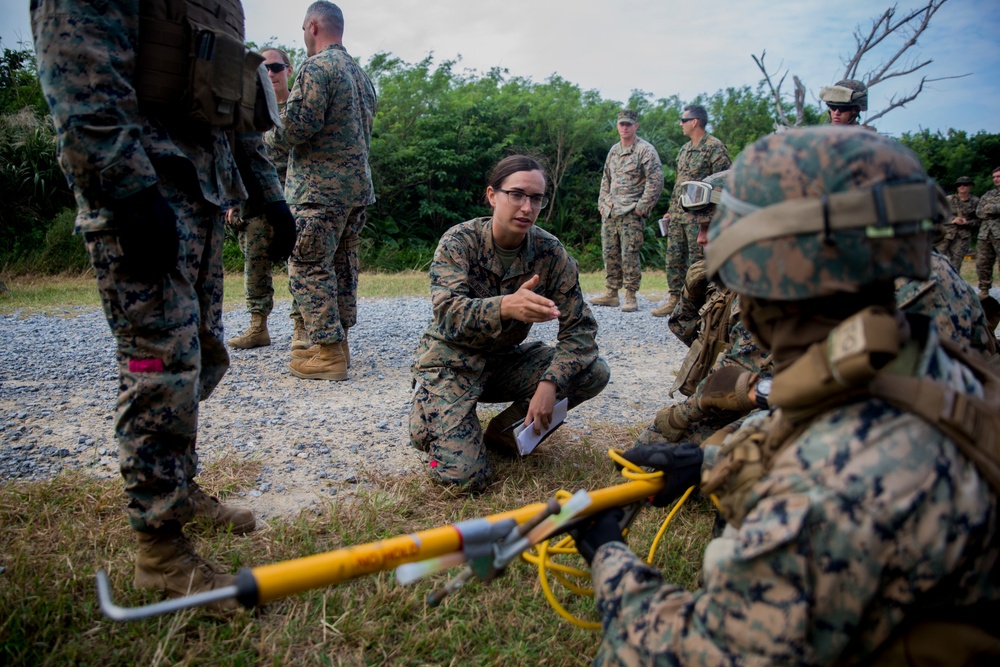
[988,247]
[328,124]
[699,319]
[630,187]
[469,355]
[170,347]
[955,242]
[328,238]
[694,163]
[951,302]
[846,535]
[258,286]
[827,160]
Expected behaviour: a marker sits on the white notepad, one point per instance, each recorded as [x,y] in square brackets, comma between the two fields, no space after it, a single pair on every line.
[527,440]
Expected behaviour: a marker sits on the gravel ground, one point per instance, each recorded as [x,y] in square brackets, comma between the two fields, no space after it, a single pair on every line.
[58,383]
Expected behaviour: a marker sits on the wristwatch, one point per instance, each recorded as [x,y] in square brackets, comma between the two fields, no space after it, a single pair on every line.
[763,390]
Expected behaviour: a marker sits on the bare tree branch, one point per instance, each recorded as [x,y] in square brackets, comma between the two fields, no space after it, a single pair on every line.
[775,92]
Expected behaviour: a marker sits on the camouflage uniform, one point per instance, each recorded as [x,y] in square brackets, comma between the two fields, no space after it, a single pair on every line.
[328,126]
[688,323]
[170,349]
[988,248]
[850,515]
[694,163]
[631,186]
[951,302]
[816,572]
[955,243]
[469,355]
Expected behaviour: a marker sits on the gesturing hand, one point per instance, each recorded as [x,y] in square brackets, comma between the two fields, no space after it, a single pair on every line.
[680,464]
[526,306]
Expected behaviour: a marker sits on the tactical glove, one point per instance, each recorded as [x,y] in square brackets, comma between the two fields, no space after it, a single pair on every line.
[279,216]
[680,464]
[147,232]
[729,389]
[696,283]
[671,424]
[597,530]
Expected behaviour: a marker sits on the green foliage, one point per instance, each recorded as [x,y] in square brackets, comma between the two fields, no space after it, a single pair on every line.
[949,156]
[19,86]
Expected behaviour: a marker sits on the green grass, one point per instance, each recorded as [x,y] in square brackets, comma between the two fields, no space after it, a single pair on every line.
[56,294]
[57,533]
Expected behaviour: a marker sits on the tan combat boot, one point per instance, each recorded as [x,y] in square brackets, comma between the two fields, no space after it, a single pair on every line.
[255,336]
[327,364]
[609,298]
[168,562]
[238,519]
[630,305]
[300,339]
[668,307]
[499,437]
[314,350]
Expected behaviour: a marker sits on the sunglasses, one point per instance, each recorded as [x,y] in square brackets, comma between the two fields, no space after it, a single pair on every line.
[684,120]
[842,108]
[276,67]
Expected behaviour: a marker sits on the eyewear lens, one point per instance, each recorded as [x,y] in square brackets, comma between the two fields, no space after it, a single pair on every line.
[516,198]
[276,67]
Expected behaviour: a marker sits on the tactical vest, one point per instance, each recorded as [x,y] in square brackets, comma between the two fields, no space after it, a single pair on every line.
[845,368]
[192,61]
[713,339]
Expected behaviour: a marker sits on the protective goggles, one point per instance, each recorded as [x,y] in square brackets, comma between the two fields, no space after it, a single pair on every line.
[697,195]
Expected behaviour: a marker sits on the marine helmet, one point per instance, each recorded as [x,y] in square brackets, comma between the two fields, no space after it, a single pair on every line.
[846,91]
[820,211]
[964,180]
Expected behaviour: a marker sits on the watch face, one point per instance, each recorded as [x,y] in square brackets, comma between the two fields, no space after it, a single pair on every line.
[763,390]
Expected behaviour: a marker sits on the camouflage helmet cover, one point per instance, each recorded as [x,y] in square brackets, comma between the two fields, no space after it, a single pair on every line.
[964,180]
[820,211]
[846,91]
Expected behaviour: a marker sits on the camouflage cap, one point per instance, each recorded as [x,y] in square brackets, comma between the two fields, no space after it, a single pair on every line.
[963,180]
[628,116]
[823,210]
[846,91]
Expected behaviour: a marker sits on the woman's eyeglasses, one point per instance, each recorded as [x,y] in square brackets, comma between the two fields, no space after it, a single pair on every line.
[516,198]
[276,67]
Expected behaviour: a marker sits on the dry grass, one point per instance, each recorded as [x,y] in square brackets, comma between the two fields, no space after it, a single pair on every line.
[57,533]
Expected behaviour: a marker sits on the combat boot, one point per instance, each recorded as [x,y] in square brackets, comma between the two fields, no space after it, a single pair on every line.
[314,350]
[300,339]
[168,562]
[238,519]
[499,437]
[630,305]
[255,336]
[327,364]
[609,298]
[668,307]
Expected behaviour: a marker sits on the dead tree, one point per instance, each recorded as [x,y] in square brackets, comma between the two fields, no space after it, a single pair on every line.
[887,26]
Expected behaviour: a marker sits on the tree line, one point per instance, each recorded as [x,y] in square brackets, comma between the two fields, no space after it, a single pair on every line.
[438,131]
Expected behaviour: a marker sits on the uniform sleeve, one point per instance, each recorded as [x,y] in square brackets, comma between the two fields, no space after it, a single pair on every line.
[306,109]
[720,158]
[989,205]
[460,317]
[576,346]
[604,199]
[654,182]
[86,60]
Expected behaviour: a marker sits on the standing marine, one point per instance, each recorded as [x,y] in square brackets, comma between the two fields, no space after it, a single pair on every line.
[957,233]
[988,244]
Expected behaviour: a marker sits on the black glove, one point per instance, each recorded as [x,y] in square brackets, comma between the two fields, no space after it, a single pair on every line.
[147,231]
[596,530]
[680,464]
[279,216]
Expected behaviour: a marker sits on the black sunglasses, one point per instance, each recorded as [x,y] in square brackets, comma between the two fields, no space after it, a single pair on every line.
[684,120]
[275,67]
[842,108]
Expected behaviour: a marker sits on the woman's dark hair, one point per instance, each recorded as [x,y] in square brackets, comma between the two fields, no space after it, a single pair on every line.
[511,165]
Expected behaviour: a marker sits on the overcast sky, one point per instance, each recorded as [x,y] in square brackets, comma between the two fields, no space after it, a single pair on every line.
[663,47]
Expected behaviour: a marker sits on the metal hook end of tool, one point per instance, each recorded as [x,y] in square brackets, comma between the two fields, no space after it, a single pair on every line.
[116,613]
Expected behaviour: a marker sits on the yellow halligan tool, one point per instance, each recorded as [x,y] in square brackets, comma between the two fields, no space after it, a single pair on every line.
[487,544]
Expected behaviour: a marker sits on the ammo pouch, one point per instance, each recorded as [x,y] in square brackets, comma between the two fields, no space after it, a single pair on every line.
[192,61]
[711,342]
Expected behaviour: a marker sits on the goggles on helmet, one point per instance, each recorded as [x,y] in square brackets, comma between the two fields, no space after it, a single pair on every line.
[696,195]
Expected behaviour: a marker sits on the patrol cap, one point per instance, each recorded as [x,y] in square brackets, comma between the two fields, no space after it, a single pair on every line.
[963,180]
[629,116]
